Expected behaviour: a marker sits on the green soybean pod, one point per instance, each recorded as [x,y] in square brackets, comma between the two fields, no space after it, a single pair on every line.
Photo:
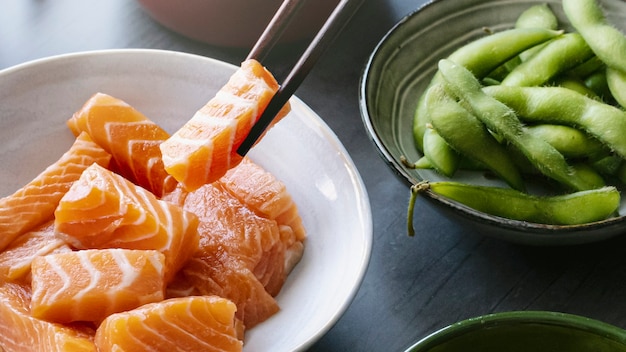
[589,174]
[443,158]
[616,82]
[598,83]
[569,141]
[464,164]
[586,68]
[469,137]
[607,42]
[556,56]
[536,16]
[569,209]
[482,56]
[609,165]
[559,105]
[577,85]
[503,120]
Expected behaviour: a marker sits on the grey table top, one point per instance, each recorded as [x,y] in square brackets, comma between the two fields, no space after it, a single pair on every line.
[413,286]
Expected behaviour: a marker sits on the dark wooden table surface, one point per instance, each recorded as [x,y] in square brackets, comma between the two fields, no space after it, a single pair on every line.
[413,286]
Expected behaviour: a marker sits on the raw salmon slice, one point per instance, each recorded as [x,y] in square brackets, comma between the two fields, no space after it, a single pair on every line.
[129,136]
[20,332]
[104,210]
[198,323]
[34,203]
[221,275]
[16,259]
[262,192]
[205,147]
[89,285]
[229,226]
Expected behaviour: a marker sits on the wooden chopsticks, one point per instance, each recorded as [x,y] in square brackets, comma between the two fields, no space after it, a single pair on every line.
[335,23]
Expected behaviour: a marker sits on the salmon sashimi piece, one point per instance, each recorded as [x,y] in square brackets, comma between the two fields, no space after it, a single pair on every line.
[131,138]
[34,203]
[224,276]
[104,210]
[180,286]
[16,259]
[229,226]
[262,192]
[205,147]
[197,323]
[20,332]
[89,285]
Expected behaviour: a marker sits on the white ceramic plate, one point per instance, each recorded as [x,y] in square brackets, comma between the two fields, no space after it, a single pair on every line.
[37,98]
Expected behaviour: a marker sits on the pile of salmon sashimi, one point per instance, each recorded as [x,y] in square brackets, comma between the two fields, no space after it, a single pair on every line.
[137,240]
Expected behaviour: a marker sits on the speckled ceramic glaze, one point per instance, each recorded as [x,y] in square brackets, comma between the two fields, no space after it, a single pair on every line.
[525,331]
[401,67]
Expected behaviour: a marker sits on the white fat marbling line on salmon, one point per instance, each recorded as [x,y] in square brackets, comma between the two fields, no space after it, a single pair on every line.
[157,264]
[94,275]
[65,279]
[129,274]
[175,158]
[26,261]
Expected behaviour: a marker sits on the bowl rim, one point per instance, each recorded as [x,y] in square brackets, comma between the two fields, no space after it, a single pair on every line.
[533,233]
[552,318]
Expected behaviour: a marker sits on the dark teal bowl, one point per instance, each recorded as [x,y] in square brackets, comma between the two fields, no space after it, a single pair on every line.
[525,331]
[401,67]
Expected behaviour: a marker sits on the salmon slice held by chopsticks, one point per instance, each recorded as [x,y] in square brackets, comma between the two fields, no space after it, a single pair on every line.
[205,147]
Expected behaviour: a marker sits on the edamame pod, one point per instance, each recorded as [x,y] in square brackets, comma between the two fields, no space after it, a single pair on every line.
[468,136]
[502,120]
[570,209]
[464,164]
[481,57]
[569,141]
[598,84]
[586,68]
[607,42]
[536,16]
[559,105]
[556,56]
[576,85]
[616,82]
[443,158]
[609,165]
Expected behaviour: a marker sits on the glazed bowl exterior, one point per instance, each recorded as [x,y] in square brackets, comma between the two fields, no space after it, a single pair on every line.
[234,23]
[537,331]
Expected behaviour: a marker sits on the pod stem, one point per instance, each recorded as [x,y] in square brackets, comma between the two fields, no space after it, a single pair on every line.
[415,190]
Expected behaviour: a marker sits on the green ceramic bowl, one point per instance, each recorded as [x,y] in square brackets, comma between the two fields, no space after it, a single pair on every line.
[525,331]
[400,68]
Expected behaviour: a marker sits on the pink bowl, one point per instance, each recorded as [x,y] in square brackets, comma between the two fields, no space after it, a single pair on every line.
[234,23]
